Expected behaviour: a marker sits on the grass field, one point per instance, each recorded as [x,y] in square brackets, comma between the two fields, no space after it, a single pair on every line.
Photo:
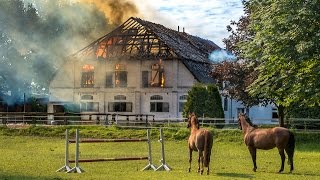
[29,157]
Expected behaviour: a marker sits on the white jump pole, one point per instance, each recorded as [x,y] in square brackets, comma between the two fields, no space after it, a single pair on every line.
[150,165]
[163,165]
[77,168]
[66,166]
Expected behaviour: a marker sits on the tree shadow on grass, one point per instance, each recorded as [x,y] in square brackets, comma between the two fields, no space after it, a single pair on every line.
[235,175]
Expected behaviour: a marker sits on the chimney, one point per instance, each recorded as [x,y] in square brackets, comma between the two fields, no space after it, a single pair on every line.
[178,28]
[183,29]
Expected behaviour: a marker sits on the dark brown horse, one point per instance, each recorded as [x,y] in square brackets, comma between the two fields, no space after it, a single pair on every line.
[266,139]
[200,140]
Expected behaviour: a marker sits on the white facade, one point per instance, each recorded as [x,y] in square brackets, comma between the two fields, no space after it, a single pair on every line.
[258,114]
[67,87]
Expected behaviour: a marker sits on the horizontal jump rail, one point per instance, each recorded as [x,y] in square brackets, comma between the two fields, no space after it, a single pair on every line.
[107,140]
[110,159]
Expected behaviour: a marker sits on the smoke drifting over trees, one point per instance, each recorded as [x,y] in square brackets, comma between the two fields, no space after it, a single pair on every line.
[36,36]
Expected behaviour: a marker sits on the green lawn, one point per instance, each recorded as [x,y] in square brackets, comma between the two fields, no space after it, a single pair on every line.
[26,157]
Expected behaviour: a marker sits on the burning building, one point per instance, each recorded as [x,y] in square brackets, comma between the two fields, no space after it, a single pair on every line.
[138,68]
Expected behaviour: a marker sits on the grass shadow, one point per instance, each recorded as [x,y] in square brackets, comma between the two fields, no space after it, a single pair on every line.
[235,175]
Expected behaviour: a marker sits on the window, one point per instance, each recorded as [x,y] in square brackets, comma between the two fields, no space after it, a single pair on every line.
[225,104]
[275,113]
[89,106]
[109,82]
[159,107]
[243,110]
[87,77]
[156,104]
[182,102]
[157,75]
[145,79]
[120,75]
[120,105]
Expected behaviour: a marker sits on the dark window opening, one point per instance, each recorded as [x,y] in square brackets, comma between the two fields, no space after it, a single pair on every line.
[159,107]
[121,78]
[225,104]
[275,113]
[109,82]
[145,79]
[120,106]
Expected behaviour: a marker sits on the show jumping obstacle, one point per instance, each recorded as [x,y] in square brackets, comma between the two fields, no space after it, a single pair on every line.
[78,169]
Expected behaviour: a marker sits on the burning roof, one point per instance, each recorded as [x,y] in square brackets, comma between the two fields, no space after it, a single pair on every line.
[143,39]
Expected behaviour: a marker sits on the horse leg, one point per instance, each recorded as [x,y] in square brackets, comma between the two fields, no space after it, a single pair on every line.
[253,152]
[200,162]
[190,159]
[290,159]
[283,158]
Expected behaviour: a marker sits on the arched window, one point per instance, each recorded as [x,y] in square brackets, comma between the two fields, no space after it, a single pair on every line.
[157,104]
[120,104]
[87,104]
[87,76]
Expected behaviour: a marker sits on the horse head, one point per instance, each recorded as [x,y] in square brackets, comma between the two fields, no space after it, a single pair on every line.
[241,115]
[193,120]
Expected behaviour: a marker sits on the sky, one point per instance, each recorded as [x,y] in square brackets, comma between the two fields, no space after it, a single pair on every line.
[204,18]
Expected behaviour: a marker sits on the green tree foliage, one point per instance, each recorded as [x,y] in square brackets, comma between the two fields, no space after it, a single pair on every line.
[286,44]
[213,103]
[204,101]
[277,46]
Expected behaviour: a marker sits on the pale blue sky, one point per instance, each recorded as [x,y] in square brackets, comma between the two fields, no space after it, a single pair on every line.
[205,18]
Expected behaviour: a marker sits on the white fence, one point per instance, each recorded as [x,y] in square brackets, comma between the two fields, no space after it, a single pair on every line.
[141,120]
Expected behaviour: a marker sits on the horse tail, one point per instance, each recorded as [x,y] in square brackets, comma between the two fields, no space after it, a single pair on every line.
[290,147]
[208,140]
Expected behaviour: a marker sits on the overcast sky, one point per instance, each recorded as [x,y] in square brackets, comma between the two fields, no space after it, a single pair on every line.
[205,18]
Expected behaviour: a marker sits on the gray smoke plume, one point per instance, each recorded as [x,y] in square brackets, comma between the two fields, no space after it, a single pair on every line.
[36,36]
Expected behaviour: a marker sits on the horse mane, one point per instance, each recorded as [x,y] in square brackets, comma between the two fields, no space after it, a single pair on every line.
[250,122]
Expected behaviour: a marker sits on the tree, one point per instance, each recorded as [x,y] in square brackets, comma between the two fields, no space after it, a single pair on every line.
[280,42]
[204,101]
[287,47]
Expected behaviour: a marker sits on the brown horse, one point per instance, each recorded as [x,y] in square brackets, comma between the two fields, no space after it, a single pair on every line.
[266,139]
[200,140]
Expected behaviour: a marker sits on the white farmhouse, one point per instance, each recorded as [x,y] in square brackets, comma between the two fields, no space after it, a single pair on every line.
[138,68]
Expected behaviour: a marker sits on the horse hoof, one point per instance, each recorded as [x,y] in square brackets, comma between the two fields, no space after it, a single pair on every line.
[254,170]
[280,171]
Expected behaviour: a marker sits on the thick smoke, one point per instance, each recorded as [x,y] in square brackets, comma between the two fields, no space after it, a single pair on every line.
[36,36]
[116,11]
[218,56]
